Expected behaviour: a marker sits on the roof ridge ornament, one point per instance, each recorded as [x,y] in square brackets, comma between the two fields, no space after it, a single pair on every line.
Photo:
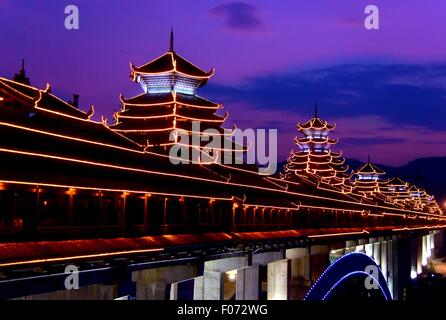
[47,88]
[90,112]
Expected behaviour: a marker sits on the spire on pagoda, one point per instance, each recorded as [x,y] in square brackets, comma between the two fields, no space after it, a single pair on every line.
[171,40]
[21,76]
[315,159]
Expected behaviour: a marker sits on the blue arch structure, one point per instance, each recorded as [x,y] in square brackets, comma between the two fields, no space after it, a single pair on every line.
[344,268]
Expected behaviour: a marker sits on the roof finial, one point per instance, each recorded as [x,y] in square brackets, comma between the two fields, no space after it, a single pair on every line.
[171,39]
[23,66]
[368,159]
[315,111]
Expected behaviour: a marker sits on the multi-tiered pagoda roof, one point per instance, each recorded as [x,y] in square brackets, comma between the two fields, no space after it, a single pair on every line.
[397,191]
[170,70]
[368,179]
[315,159]
[170,104]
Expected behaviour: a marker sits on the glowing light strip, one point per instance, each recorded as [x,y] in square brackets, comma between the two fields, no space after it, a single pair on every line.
[65,115]
[174,64]
[310,126]
[306,141]
[393,214]
[332,266]
[270,207]
[5,83]
[144,130]
[360,170]
[330,208]
[218,106]
[146,117]
[69,137]
[86,256]
[60,100]
[204,133]
[171,72]
[276,184]
[325,153]
[375,215]
[339,234]
[172,115]
[350,275]
[420,228]
[128,191]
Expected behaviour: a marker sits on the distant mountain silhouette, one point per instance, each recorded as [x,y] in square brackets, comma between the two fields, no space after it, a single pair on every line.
[426,173]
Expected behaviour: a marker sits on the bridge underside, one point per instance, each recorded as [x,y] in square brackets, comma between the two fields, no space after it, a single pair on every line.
[231,267]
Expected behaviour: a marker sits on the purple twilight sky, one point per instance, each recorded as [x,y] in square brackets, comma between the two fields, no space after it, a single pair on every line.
[385,89]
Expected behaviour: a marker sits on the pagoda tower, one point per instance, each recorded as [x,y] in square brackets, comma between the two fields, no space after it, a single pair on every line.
[368,180]
[397,190]
[169,104]
[420,200]
[315,159]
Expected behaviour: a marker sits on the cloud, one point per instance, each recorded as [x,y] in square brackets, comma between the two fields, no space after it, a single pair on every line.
[389,91]
[239,16]
[372,141]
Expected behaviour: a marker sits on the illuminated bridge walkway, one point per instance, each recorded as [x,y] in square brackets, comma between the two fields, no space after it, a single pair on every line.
[278,268]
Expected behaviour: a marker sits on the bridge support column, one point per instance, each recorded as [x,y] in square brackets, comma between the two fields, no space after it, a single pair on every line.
[300,279]
[439,243]
[154,284]
[213,285]
[390,265]
[248,286]
[319,260]
[383,263]
[426,251]
[432,244]
[350,246]
[185,289]
[377,253]
[220,275]
[368,248]
[278,280]
[360,247]
[261,260]
[419,246]
[300,265]
[403,266]
[198,288]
